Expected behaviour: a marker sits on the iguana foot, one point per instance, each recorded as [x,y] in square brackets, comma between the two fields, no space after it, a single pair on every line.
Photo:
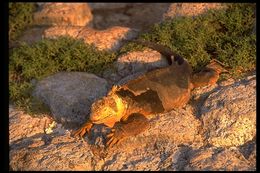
[83,130]
[115,137]
[209,75]
[133,125]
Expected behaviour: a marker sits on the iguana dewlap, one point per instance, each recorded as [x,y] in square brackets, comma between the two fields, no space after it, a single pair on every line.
[126,108]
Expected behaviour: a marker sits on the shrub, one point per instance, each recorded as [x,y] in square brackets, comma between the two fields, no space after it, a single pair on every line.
[226,35]
[20,17]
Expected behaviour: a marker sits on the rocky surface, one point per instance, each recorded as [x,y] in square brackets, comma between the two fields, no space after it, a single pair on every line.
[32,148]
[110,39]
[134,15]
[190,9]
[69,95]
[229,114]
[174,141]
[68,14]
[109,6]
[139,61]
[218,159]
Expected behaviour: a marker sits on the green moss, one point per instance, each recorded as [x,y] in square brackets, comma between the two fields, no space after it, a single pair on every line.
[29,62]
[20,17]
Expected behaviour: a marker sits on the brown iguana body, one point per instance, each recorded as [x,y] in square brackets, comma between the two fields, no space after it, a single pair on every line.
[126,108]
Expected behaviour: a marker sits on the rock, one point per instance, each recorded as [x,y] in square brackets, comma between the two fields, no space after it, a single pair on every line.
[30,36]
[162,156]
[218,159]
[110,39]
[155,149]
[32,149]
[69,95]
[145,15]
[133,15]
[108,6]
[227,82]
[252,157]
[64,14]
[173,142]
[229,114]
[139,61]
[56,31]
[133,64]
[190,9]
[22,125]
[249,152]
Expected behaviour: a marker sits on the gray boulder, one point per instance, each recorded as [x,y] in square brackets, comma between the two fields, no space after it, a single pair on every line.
[69,95]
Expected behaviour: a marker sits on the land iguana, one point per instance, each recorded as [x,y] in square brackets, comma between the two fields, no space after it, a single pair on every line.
[126,108]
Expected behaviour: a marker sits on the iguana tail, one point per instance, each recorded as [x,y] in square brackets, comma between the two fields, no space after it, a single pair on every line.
[166,51]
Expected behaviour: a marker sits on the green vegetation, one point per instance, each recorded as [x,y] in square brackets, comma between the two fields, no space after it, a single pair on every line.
[47,57]
[226,35]
[20,17]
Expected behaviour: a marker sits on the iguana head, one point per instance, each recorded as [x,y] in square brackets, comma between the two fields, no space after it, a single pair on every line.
[107,110]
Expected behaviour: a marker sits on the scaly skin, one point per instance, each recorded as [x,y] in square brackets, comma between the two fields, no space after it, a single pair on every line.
[127,108]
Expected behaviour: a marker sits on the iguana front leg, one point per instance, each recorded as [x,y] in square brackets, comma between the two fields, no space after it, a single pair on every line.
[85,128]
[133,125]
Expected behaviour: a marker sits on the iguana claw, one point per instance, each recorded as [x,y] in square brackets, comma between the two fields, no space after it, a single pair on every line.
[133,125]
[80,132]
[114,137]
[83,130]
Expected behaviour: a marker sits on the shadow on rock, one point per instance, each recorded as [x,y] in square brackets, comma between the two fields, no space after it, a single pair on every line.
[37,142]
